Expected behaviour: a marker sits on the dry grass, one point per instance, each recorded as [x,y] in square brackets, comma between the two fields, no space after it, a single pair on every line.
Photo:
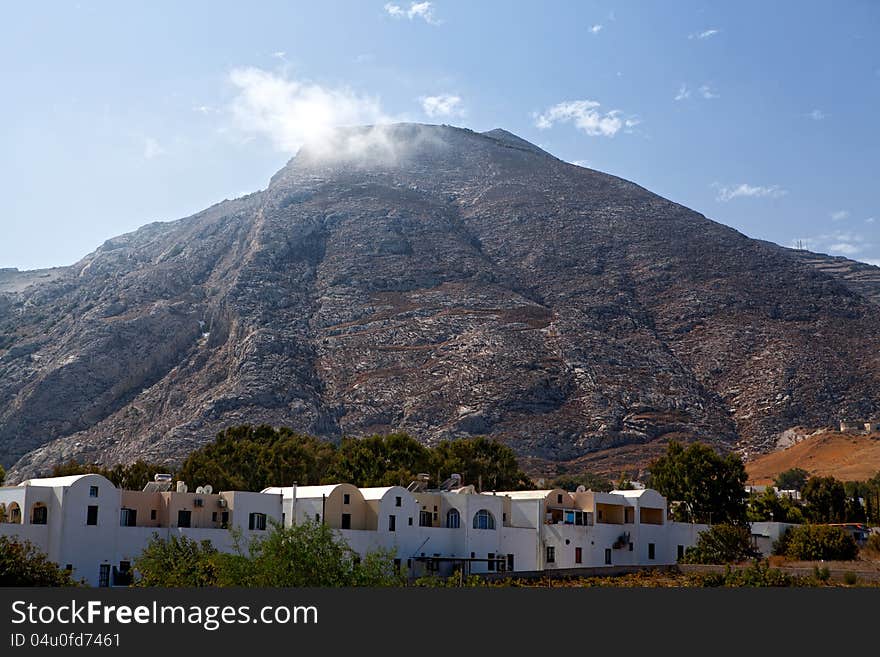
[846,456]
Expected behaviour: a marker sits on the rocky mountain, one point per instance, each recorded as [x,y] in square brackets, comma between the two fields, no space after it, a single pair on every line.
[443,282]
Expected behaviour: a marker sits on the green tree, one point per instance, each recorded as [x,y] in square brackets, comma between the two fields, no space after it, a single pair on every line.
[307,554]
[177,562]
[477,459]
[815,542]
[706,486]
[768,506]
[590,481]
[2,475]
[792,479]
[129,477]
[389,460]
[254,458]
[825,499]
[22,564]
[720,544]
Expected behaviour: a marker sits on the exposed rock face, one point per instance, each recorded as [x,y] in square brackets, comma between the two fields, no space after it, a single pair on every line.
[458,284]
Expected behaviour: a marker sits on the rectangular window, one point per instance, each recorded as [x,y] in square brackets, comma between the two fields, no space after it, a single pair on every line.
[317,517]
[397,565]
[92,517]
[346,498]
[410,521]
[509,562]
[40,515]
[559,498]
[650,550]
[551,554]
[224,519]
[680,552]
[128,517]
[578,555]
[425,519]
[607,556]
[104,574]
[346,521]
[213,516]
[392,523]
[257,521]
[630,547]
[184,518]
[398,501]
[93,491]
[152,514]
[491,561]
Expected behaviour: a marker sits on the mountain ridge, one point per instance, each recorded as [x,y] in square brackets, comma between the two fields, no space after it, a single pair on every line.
[440,281]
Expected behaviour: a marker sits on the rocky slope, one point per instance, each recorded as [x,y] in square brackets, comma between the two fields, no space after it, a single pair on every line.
[443,282]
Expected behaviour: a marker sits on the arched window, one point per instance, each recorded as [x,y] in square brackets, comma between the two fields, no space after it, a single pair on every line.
[484,520]
[14,513]
[39,514]
[453,519]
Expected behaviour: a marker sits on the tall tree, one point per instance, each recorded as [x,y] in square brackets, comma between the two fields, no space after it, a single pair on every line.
[791,479]
[380,460]
[480,459]
[253,458]
[706,486]
[825,499]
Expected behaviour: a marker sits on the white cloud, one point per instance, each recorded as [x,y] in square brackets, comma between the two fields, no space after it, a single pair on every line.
[846,248]
[581,163]
[279,54]
[744,190]
[152,148]
[817,115]
[705,34]
[870,220]
[707,93]
[872,261]
[204,109]
[683,93]
[585,115]
[290,112]
[596,29]
[839,215]
[845,243]
[442,105]
[423,10]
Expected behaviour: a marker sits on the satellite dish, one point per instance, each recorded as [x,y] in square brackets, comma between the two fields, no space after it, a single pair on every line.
[200,490]
[581,489]
[208,489]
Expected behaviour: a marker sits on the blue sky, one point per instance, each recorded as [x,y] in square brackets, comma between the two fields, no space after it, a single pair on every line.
[762,116]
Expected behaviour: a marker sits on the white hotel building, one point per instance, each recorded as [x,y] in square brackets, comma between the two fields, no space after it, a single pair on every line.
[87,524]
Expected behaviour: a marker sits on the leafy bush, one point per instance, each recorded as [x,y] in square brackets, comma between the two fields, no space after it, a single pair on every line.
[22,564]
[758,574]
[177,562]
[308,554]
[821,574]
[850,578]
[815,543]
[721,544]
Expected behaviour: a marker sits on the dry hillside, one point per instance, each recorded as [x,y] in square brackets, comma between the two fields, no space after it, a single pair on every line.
[846,456]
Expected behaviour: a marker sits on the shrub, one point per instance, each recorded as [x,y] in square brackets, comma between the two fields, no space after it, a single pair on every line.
[758,574]
[721,544]
[850,578]
[821,574]
[816,542]
[22,564]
